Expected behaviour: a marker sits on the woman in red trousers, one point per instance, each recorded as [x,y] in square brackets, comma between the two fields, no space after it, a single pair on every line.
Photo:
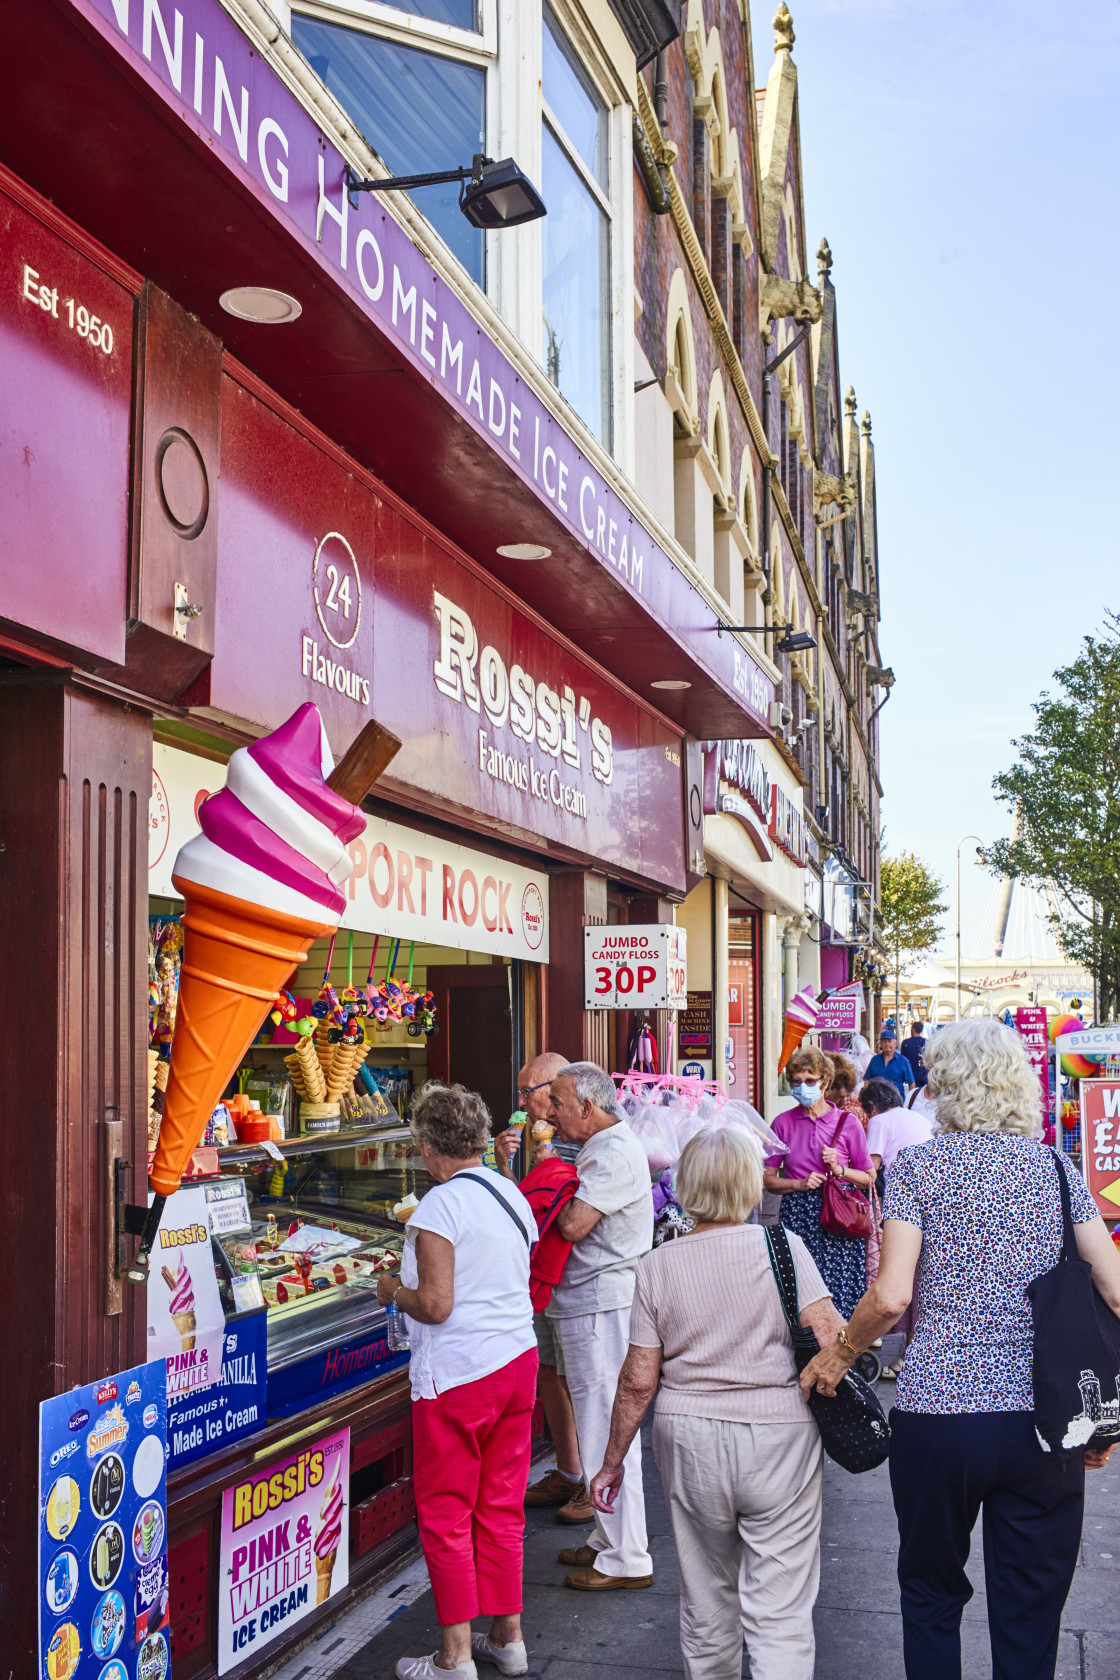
[464,1287]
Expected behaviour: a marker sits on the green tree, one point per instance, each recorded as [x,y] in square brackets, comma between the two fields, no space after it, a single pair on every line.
[1066,790]
[911,906]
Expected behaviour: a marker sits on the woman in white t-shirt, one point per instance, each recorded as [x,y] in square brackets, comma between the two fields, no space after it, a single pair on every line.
[464,1286]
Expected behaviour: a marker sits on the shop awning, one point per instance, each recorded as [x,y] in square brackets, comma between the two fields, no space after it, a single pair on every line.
[191,158]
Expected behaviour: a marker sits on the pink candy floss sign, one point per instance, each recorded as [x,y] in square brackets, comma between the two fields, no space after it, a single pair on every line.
[285,1546]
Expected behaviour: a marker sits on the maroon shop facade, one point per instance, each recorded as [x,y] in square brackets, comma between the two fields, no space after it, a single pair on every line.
[202,532]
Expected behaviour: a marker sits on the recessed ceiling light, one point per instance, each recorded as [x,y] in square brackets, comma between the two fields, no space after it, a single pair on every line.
[261,304]
[524,551]
[673,683]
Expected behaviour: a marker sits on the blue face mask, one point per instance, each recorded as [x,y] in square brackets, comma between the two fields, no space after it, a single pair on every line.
[807,1095]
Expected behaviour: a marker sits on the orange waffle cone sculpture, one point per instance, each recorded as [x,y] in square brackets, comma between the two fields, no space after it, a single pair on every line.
[791,1038]
[237,957]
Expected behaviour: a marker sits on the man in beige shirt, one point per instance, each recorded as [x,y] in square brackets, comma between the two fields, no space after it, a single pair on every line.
[609,1221]
[565,1486]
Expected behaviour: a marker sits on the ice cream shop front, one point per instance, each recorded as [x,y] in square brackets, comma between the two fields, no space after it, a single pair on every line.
[229,544]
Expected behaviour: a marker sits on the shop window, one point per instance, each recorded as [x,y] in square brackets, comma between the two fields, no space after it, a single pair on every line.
[421,111]
[461,14]
[575,184]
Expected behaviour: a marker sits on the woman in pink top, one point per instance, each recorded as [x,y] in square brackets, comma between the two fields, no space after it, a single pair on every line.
[812,1151]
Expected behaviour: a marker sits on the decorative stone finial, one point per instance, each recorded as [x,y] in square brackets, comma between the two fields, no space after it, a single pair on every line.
[824,260]
[783,29]
[865,424]
[850,402]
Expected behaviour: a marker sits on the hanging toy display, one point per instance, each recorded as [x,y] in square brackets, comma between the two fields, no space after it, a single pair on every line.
[642,1057]
[285,1011]
[394,1001]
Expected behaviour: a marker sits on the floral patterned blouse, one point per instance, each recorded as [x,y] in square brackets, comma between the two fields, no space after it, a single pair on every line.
[988,1207]
[851,1105]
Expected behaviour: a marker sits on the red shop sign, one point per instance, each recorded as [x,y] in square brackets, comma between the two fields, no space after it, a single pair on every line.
[65,407]
[328,591]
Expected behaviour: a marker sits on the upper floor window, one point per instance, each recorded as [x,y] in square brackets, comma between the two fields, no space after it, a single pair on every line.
[575,185]
[421,110]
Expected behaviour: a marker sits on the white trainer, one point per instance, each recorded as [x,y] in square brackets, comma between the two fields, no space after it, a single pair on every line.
[426,1668]
[509,1659]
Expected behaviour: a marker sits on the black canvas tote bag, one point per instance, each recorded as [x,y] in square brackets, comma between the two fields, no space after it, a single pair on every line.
[854,1429]
[1076,1349]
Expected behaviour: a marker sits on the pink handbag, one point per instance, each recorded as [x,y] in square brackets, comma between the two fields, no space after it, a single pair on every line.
[845,1208]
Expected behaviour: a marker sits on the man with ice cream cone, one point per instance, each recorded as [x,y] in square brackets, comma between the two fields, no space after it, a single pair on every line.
[565,1486]
[610,1223]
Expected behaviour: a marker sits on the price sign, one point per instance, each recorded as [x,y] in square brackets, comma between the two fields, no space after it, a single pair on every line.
[1100,1142]
[635,967]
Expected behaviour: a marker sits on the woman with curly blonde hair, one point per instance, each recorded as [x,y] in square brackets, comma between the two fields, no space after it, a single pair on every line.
[976,1214]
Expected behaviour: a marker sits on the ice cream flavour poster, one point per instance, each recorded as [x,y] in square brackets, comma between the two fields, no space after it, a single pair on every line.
[186,1323]
[285,1546]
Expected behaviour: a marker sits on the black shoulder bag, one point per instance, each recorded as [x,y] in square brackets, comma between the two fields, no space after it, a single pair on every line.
[854,1429]
[1076,1349]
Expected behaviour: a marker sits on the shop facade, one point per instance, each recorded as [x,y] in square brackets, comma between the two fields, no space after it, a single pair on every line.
[750,927]
[208,528]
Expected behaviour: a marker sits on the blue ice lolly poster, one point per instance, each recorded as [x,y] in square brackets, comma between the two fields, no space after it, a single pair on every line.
[103,1583]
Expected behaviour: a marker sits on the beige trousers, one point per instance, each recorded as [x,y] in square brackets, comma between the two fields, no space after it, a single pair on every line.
[745,1502]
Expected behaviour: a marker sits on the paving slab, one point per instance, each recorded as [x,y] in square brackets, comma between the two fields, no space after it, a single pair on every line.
[584,1636]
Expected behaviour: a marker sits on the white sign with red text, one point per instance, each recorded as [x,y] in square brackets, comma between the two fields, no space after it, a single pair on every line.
[635,967]
[405,884]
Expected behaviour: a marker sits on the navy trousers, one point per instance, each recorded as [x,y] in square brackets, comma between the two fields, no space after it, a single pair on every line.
[943,1469]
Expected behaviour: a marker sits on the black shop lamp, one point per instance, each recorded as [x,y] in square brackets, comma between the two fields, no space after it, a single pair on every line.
[491,195]
[794,641]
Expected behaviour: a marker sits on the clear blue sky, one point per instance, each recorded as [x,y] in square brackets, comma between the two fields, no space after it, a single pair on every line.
[962,161]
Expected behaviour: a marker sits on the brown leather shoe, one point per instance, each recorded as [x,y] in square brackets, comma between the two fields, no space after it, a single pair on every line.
[577,1556]
[579,1508]
[590,1580]
[553,1489]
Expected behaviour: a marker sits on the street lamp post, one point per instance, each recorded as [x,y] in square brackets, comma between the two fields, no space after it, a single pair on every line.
[960,843]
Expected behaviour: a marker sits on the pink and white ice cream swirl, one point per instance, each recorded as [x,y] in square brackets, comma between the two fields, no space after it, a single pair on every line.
[330,1517]
[182,1296]
[276,834]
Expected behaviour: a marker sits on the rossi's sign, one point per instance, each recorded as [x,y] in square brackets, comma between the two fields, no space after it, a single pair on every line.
[635,967]
[369,612]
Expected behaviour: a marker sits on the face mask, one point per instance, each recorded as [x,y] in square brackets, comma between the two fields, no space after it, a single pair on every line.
[807,1095]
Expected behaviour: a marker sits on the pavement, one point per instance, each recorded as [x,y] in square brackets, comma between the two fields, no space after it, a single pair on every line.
[582,1636]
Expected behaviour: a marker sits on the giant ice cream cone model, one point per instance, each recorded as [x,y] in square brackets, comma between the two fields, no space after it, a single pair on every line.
[800,1018]
[260,882]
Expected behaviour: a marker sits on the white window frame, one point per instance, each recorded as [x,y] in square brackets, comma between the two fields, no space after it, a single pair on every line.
[406,28]
[616,204]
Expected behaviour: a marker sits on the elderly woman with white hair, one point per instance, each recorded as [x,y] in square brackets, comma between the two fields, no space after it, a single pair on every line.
[736,1444]
[975,1214]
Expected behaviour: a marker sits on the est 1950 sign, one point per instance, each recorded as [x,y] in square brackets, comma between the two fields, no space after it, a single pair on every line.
[634,967]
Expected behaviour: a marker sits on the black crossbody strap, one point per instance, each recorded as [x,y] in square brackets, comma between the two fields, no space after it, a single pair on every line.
[785,1274]
[469,1178]
[1069,1239]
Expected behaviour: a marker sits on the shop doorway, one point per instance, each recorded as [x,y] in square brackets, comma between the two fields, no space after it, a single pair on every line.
[475,1045]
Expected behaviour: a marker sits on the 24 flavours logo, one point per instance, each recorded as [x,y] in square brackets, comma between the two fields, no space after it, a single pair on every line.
[336,589]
